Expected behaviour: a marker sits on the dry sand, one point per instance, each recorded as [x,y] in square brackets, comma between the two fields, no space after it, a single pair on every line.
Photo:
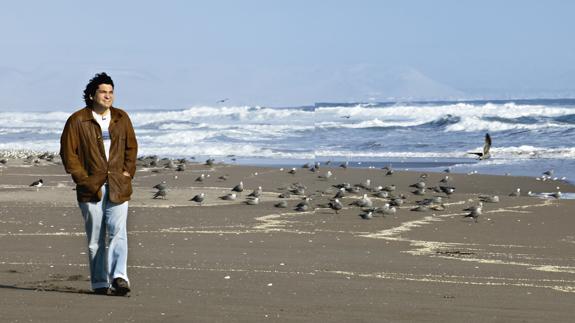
[231,262]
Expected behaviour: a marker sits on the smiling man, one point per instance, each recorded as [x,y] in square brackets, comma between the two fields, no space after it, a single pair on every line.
[98,148]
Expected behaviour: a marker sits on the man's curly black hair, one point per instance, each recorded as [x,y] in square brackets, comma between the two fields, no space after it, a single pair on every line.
[93,84]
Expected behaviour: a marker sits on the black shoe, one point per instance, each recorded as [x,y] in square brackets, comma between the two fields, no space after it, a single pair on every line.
[101,291]
[120,287]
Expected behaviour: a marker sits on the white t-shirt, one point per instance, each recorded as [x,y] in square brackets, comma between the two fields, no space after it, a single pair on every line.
[104,122]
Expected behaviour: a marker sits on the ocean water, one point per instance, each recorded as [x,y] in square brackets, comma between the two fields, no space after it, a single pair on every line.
[529,136]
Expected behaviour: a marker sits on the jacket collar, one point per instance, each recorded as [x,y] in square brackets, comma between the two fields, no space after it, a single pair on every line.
[86,114]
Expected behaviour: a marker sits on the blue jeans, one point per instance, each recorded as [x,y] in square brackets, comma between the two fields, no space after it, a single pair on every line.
[111,217]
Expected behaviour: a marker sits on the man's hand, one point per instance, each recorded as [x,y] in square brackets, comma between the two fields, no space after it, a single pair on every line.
[126,174]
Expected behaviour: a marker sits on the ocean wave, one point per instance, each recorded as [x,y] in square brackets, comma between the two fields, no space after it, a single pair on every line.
[451,117]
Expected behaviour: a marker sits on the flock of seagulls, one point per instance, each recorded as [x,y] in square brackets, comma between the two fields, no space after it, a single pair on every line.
[362,193]
[365,196]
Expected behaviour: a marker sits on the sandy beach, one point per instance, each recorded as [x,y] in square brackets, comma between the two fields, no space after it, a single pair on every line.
[226,261]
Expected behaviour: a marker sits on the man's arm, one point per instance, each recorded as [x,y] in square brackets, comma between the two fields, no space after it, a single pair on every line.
[131,149]
[69,143]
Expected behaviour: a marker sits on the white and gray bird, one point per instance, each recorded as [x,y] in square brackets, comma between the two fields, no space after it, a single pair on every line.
[228,197]
[489,198]
[326,176]
[340,193]
[367,215]
[161,186]
[387,209]
[363,202]
[198,198]
[256,193]
[474,211]
[389,188]
[448,190]
[419,191]
[238,188]
[304,205]
[335,205]
[418,185]
[516,193]
[381,194]
[486,147]
[201,178]
[396,202]
[253,201]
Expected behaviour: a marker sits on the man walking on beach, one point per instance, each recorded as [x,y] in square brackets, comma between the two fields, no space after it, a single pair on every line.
[98,148]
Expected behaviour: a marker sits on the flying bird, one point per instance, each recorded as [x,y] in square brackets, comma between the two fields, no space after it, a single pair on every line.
[486,146]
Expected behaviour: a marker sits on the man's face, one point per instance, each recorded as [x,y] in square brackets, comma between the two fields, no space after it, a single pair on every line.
[104,96]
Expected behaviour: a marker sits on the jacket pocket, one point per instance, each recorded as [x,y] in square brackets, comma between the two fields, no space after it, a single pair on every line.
[120,187]
[88,187]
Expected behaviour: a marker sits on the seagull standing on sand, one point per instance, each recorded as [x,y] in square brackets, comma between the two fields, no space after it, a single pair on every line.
[256,193]
[326,176]
[448,190]
[486,147]
[303,206]
[363,202]
[238,188]
[199,198]
[340,193]
[335,205]
[516,193]
[474,211]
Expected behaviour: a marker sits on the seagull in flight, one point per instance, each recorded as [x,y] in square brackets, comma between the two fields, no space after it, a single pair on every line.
[222,100]
[485,153]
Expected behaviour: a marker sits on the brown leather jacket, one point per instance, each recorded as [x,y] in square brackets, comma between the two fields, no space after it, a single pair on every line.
[83,156]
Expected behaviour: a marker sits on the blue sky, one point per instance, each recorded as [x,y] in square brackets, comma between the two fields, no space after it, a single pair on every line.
[178,54]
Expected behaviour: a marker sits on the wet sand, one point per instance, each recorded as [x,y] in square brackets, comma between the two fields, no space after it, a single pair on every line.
[231,262]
